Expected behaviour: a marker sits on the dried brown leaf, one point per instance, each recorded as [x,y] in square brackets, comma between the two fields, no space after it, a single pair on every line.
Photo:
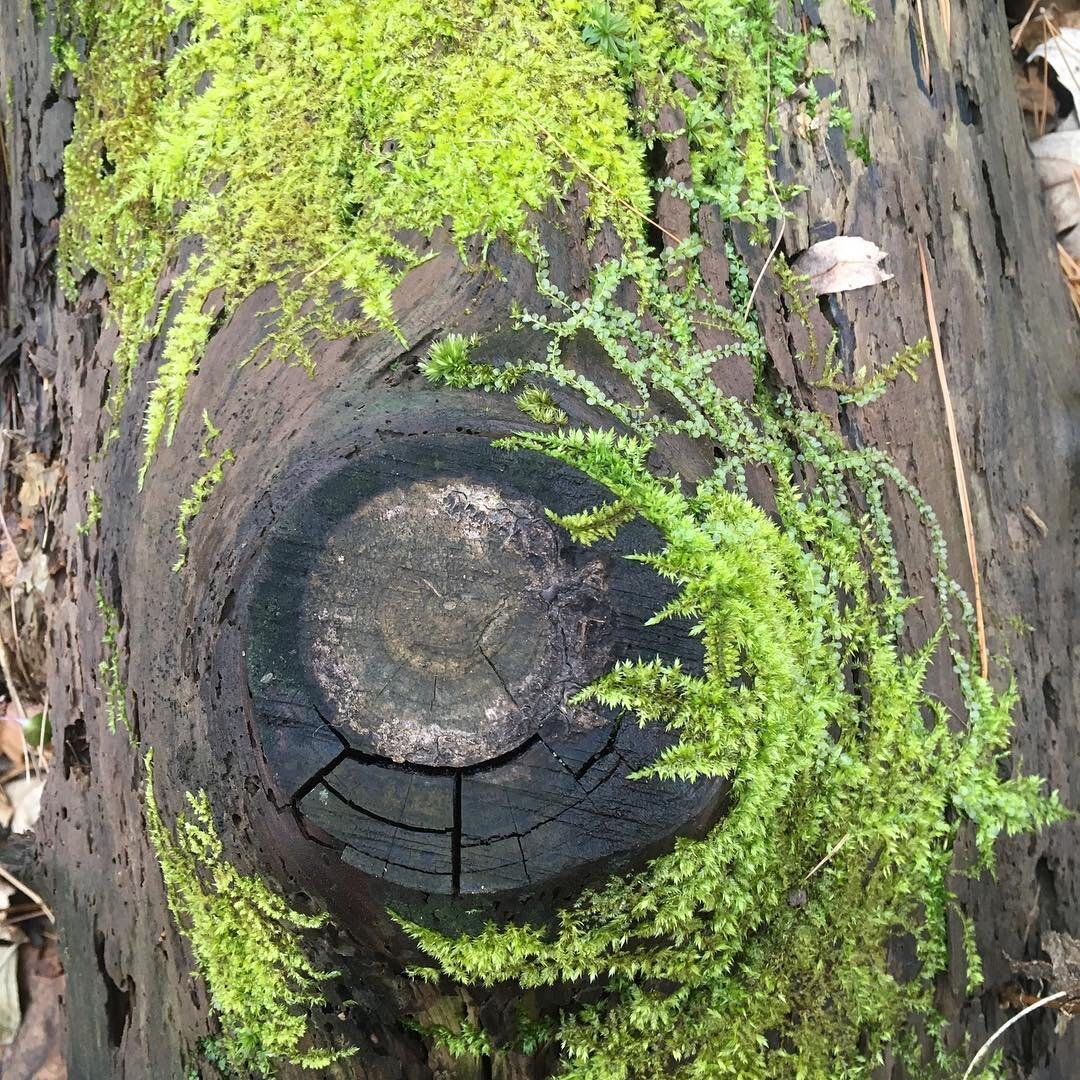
[1061,50]
[39,481]
[1036,98]
[841,264]
[9,563]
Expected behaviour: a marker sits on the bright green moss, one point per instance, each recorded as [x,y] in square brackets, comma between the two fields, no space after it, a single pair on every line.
[285,144]
[201,489]
[246,943]
[94,506]
[732,956]
[291,144]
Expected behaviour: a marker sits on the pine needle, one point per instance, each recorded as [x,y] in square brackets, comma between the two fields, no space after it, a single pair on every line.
[12,880]
[1008,1024]
[958,464]
[924,48]
[946,20]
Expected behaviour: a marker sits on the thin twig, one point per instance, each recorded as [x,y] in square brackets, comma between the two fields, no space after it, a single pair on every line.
[1045,111]
[5,666]
[42,764]
[828,855]
[11,879]
[1008,1024]
[1071,268]
[958,464]
[765,266]
[775,194]
[946,20]
[1018,33]
[604,187]
[924,48]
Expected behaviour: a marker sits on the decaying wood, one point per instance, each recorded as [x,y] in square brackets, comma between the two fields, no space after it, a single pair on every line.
[949,169]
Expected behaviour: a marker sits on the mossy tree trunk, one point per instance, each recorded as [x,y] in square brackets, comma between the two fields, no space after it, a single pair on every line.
[949,168]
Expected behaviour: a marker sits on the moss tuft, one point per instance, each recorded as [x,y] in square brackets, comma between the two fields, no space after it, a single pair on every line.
[273,144]
[201,489]
[848,794]
[245,942]
[109,668]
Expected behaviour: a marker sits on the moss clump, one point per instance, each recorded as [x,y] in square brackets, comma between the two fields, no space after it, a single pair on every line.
[201,489]
[245,942]
[109,667]
[94,507]
[848,792]
[290,145]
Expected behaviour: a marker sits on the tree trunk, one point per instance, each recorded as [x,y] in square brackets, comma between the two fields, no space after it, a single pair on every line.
[256,674]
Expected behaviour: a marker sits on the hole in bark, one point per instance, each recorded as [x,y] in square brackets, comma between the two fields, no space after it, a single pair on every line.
[117,999]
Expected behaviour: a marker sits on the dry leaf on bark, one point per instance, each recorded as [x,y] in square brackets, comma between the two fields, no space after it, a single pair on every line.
[1044,23]
[1037,99]
[34,573]
[9,563]
[841,264]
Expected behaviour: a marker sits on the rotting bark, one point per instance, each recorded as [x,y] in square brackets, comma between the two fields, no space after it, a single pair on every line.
[949,165]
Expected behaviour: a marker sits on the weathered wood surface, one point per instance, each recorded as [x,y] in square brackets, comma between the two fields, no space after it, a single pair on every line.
[949,165]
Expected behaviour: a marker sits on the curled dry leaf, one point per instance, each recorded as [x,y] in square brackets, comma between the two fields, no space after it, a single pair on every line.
[9,563]
[1061,51]
[25,798]
[1057,161]
[841,264]
[34,574]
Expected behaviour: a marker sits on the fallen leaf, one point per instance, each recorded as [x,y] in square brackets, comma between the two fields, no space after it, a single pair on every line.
[36,1050]
[1041,26]
[1057,161]
[841,264]
[1062,52]
[25,798]
[9,563]
[1037,99]
[11,739]
[39,481]
[34,574]
[10,1014]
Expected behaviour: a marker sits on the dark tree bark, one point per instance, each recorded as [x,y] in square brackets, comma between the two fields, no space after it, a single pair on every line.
[290,767]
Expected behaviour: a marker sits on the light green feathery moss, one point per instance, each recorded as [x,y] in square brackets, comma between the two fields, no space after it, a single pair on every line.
[221,147]
[761,950]
[246,943]
[201,489]
[266,142]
